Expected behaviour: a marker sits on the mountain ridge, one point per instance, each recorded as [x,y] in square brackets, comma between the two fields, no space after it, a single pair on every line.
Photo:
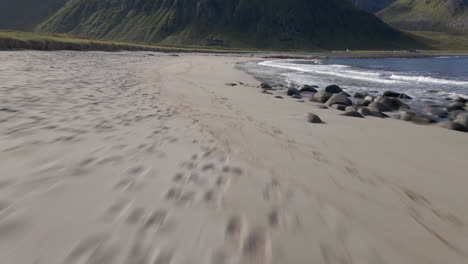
[298,24]
[449,16]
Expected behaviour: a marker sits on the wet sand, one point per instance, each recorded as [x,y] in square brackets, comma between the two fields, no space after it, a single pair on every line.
[137,158]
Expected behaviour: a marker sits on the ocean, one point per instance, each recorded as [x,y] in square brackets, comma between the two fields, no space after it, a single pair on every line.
[428,80]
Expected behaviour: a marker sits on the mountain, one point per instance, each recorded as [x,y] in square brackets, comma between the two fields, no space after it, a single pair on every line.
[26,14]
[449,16]
[278,24]
[372,5]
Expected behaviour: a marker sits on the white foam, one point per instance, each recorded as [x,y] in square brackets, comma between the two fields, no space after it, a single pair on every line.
[424,79]
[342,71]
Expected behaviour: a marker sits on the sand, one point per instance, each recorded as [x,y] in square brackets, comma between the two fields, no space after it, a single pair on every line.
[136,158]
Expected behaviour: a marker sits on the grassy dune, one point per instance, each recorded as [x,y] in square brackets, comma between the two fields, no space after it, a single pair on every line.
[442,41]
[14,40]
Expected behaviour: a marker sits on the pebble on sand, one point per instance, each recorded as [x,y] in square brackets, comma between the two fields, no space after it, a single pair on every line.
[313,118]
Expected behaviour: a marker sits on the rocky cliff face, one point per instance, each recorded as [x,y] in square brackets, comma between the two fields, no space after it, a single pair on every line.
[428,15]
[303,24]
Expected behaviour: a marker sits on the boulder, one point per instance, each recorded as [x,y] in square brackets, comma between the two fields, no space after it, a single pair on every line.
[454,126]
[379,114]
[339,107]
[360,95]
[266,86]
[353,114]
[313,118]
[350,109]
[309,88]
[455,113]
[339,99]
[362,102]
[462,119]
[370,98]
[455,106]
[416,117]
[292,91]
[436,111]
[322,96]
[396,95]
[297,96]
[461,100]
[378,107]
[364,111]
[405,96]
[393,103]
[345,94]
[391,94]
[334,89]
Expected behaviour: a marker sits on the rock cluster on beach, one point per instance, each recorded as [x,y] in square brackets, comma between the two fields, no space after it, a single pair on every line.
[453,116]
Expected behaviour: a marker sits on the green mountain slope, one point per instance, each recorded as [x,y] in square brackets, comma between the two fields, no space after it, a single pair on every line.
[449,16]
[26,14]
[372,5]
[293,24]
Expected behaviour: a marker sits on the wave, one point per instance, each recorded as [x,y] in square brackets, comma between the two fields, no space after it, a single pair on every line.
[342,71]
[349,72]
[424,79]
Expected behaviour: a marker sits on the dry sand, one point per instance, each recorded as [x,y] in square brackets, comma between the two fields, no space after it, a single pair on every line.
[116,158]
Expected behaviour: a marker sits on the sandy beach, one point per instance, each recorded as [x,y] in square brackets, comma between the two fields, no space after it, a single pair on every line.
[150,158]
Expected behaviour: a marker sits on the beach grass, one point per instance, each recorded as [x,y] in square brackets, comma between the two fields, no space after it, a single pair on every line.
[11,40]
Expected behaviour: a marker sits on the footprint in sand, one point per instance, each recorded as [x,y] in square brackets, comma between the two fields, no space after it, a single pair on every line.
[257,248]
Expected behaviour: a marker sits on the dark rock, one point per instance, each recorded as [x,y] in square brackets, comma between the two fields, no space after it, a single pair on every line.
[292,91]
[391,94]
[362,102]
[379,114]
[364,111]
[360,95]
[397,95]
[313,118]
[378,107]
[334,89]
[339,99]
[309,88]
[454,126]
[345,94]
[322,107]
[322,96]
[416,117]
[393,103]
[436,111]
[297,96]
[279,97]
[266,86]
[339,107]
[455,106]
[231,84]
[353,114]
[462,119]
[266,91]
[405,96]
[461,100]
